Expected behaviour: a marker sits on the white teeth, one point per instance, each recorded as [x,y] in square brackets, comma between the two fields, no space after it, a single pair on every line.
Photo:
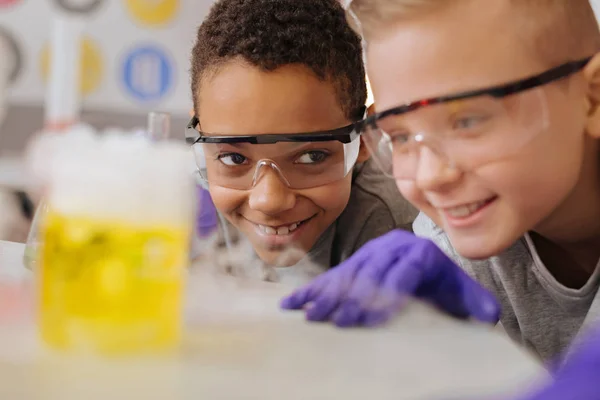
[459,212]
[283,230]
[466,210]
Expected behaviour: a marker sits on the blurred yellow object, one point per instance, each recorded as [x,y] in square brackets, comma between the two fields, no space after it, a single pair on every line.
[153,12]
[111,287]
[114,240]
[92,69]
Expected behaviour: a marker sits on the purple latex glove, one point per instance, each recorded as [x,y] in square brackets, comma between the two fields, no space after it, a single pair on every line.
[206,220]
[579,379]
[369,287]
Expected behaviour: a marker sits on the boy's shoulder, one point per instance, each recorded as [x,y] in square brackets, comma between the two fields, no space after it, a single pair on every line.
[375,207]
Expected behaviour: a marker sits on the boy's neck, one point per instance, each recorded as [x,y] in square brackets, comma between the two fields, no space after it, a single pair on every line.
[568,242]
[572,265]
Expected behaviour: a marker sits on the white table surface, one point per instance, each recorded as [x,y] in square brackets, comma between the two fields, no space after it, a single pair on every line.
[241,346]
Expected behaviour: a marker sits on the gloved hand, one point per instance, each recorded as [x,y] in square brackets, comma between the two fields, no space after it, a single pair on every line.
[578,379]
[371,285]
[206,219]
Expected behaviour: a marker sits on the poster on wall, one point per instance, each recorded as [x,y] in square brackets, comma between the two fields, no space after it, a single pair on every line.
[134,54]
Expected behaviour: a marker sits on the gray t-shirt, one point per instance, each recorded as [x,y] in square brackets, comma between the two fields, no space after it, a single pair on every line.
[537,311]
[375,207]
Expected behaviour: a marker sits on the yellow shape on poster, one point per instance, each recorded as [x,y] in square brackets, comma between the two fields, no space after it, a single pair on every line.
[153,12]
[91,66]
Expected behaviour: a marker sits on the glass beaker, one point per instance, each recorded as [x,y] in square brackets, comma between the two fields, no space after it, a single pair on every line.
[115,248]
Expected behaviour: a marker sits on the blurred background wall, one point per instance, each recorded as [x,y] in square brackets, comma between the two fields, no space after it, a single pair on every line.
[135,59]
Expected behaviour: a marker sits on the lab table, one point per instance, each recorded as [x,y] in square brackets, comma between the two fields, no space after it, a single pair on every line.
[240,345]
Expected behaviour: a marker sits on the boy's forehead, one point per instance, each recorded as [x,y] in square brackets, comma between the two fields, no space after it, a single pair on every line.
[555,30]
[449,50]
[242,99]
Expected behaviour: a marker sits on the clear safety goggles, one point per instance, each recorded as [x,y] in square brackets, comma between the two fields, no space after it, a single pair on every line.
[464,130]
[301,160]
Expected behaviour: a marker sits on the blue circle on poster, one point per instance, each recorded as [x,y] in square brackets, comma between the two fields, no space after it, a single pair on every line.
[148,73]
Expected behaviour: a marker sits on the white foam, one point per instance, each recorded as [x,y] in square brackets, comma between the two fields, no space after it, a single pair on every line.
[116,175]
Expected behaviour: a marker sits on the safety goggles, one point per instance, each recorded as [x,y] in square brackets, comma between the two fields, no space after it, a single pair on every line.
[465,130]
[301,160]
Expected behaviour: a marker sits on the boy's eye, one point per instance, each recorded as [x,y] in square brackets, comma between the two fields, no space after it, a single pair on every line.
[232,159]
[399,137]
[312,157]
[469,122]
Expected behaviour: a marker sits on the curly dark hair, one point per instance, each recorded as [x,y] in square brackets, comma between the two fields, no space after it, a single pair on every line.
[270,34]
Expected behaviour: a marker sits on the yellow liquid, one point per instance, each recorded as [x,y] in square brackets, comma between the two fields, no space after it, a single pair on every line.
[110,287]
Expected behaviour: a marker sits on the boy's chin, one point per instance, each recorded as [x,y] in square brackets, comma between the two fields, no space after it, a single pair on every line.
[284,257]
[480,247]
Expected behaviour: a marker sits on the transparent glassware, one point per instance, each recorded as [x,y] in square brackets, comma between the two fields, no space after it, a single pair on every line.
[33,244]
[114,247]
[158,127]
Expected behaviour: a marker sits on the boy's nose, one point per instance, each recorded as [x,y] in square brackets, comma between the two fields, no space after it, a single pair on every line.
[433,171]
[270,195]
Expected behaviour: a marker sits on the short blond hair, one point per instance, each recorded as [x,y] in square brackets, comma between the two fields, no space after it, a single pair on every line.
[557,29]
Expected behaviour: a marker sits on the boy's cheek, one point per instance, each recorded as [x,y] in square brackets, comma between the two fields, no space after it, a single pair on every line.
[410,192]
[333,196]
[225,200]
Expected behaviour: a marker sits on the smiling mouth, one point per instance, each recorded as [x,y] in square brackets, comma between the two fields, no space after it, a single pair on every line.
[466,210]
[282,230]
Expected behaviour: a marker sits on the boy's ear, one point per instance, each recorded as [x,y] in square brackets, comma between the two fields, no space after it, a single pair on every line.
[592,75]
[371,110]
[363,154]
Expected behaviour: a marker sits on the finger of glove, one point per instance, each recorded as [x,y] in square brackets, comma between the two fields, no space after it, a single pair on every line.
[452,290]
[330,290]
[375,318]
[365,288]
[306,294]
[330,296]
